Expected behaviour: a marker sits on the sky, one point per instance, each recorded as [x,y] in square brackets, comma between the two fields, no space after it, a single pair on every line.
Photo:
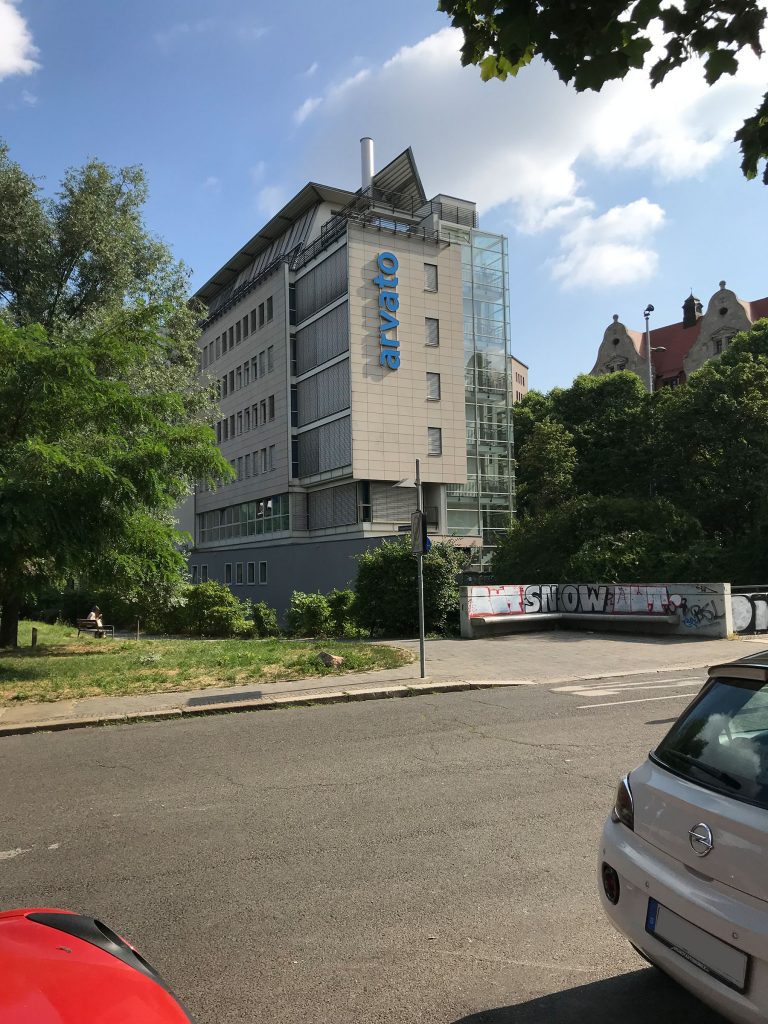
[610,201]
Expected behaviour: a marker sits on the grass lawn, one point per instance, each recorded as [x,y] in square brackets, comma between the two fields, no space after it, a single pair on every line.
[64,665]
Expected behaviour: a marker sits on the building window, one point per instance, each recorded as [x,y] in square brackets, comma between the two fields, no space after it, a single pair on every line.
[271,407]
[239,572]
[269,309]
[247,417]
[203,573]
[294,457]
[194,574]
[263,460]
[718,346]
[271,456]
[254,415]
[218,432]
[255,462]
[238,337]
[218,346]
[239,423]
[240,467]
[261,314]
[255,368]
[225,421]
[270,358]
[262,572]
[232,425]
[434,441]
[248,465]
[432,330]
[433,387]
[228,572]
[253,320]
[224,386]
[251,572]
[231,381]
[262,370]
[263,405]
[238,378]
[246,374]
[430,277]
[245,326]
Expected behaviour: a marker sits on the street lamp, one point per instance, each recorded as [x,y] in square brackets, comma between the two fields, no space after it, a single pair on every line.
[659,348]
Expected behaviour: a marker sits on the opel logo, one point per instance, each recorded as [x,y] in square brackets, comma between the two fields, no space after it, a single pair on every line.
[700,837]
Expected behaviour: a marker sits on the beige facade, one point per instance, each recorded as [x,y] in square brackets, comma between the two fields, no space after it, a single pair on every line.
[726,315]
[391,409]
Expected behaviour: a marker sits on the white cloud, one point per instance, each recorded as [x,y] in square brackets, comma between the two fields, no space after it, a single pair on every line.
[257,172]
[523,147]
[17,51]
[270,199]
[212,183]
[311,69]
[306,108]
[167,39]
[29,98]
[611,249]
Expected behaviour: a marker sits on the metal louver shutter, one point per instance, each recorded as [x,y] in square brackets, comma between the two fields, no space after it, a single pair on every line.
[430,277]
[432,330]
[326,282]
[392,504]
[326,337]
[434,441]
[325,448]
[433,387]
[323,394]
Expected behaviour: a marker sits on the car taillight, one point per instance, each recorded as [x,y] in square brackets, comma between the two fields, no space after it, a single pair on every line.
[624,808]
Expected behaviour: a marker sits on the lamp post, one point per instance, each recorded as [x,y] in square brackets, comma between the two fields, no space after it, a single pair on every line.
[658,348]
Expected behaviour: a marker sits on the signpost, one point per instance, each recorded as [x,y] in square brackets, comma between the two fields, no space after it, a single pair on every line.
[419,546]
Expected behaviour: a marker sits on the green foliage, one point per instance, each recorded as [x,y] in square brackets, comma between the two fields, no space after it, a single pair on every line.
[212,609]
[342,608]
[612,540]
[105,426]
[309,615]
[590,44]
[547,462]
[264,619]
[387,601]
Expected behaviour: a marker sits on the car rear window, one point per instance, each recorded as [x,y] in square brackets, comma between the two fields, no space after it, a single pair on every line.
[721,742]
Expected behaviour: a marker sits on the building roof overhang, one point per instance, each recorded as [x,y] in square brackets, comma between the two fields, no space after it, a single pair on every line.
[311,195]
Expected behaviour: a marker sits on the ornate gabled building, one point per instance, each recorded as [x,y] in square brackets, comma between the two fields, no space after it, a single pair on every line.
[679,349]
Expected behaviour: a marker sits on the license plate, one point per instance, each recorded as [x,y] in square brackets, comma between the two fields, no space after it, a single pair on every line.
[705,951]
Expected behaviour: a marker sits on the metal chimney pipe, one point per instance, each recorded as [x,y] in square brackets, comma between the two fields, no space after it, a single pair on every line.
[366,161]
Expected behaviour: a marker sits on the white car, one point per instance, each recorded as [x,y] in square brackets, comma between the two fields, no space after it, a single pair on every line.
[683,870]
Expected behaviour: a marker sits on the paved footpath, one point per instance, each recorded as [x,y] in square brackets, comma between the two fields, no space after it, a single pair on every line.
[527,659]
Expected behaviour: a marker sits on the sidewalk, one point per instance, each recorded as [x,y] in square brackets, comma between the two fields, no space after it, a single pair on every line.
[523,660]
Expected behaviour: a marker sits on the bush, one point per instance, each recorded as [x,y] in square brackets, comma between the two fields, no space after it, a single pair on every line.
[213,610]
[387,602]
[264,619]
[342,606]
[308,615]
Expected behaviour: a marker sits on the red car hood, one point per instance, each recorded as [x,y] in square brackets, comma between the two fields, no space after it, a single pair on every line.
[50,974]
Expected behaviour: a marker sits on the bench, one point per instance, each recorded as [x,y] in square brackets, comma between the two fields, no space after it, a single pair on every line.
[91,626]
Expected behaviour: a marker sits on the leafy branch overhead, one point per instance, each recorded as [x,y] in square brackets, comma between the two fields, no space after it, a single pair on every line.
[597,41]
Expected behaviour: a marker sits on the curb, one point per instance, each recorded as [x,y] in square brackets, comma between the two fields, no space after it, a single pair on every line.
[287,701]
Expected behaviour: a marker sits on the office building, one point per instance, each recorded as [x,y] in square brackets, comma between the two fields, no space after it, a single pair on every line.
[353,334]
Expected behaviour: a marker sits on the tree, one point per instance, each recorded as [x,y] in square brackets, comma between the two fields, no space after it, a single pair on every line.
[105,426]
[386,589]
[546,465]
[592,43]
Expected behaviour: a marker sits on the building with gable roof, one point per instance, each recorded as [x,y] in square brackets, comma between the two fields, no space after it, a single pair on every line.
[677,350]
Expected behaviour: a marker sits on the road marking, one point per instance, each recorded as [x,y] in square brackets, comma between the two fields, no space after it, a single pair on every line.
[10,854]
[596,684]
[637,700]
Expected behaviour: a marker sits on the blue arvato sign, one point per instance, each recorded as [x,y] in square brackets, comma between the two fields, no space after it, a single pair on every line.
[389,303]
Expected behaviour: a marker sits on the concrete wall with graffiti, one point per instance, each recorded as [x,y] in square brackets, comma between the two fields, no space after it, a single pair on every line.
[689,609]
[750,612]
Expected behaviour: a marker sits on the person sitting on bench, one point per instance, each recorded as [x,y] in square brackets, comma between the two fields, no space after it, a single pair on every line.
[94,615]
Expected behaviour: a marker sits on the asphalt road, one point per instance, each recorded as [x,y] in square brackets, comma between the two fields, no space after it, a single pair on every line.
[424,860]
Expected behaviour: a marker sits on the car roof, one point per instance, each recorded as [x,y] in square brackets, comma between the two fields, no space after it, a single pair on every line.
[754,666]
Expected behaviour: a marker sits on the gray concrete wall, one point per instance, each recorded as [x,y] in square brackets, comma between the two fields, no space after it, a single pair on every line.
[688,609]
[308,566]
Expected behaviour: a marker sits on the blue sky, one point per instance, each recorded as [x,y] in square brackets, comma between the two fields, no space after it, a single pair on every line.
[609,201]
